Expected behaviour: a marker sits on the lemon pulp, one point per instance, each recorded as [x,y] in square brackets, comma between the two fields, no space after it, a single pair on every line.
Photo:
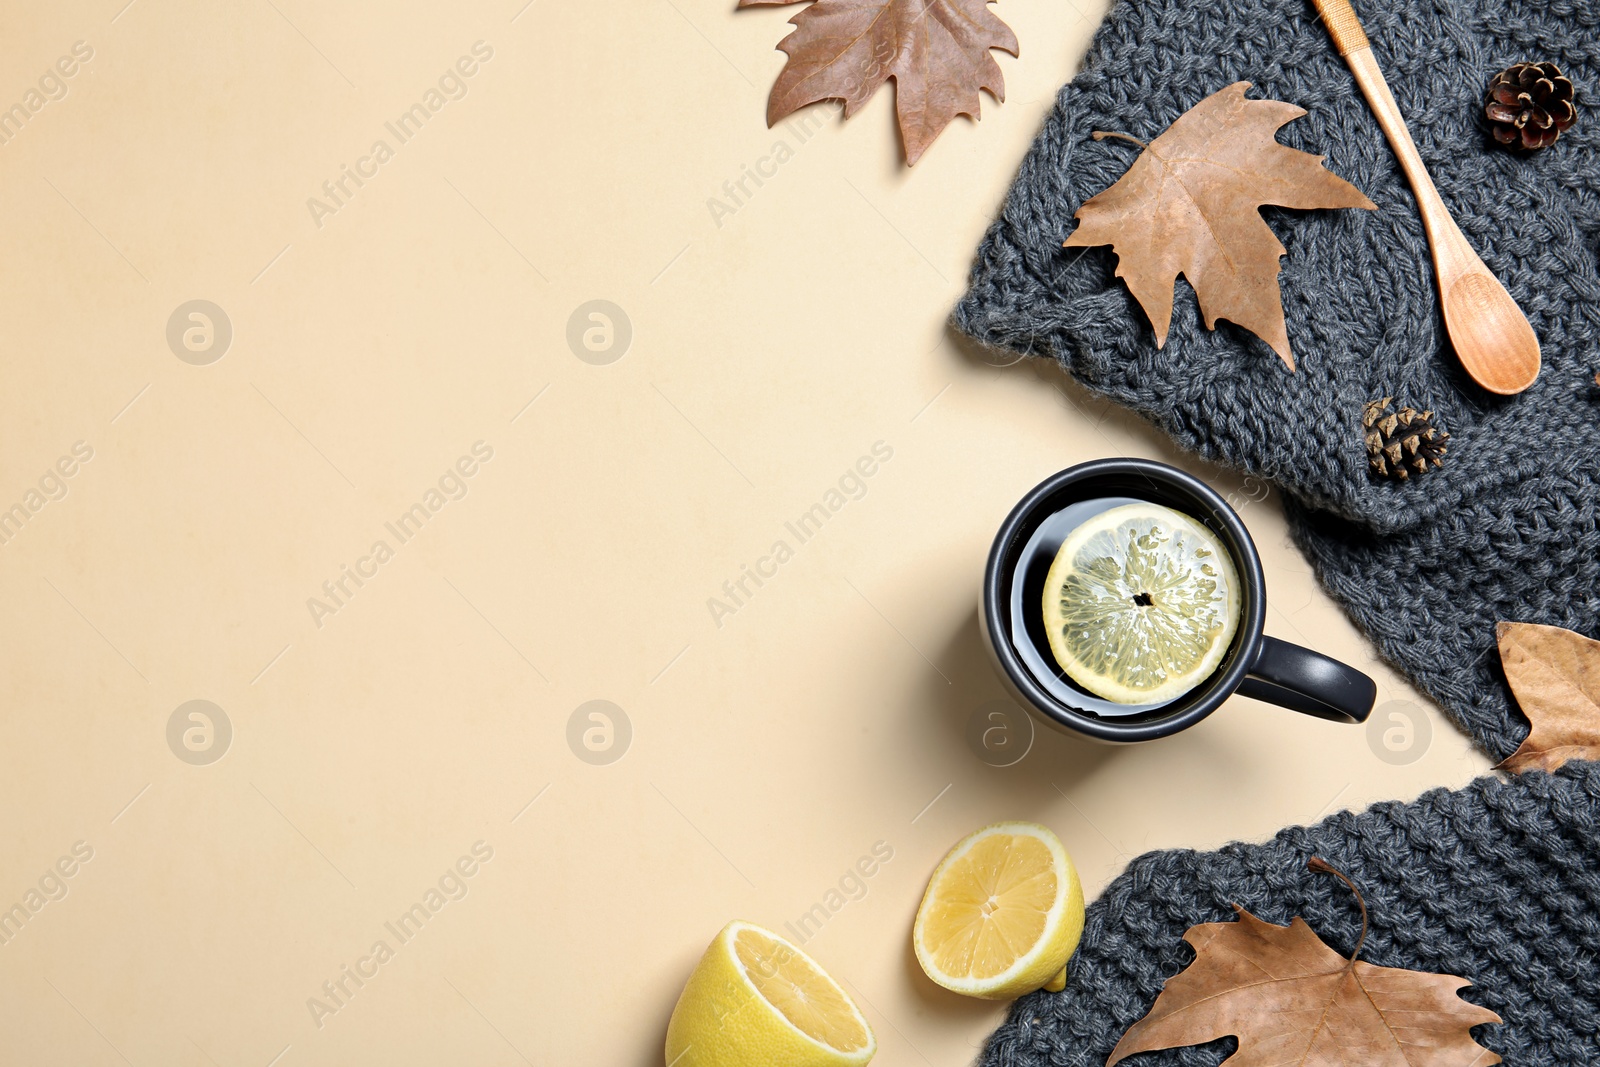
[1002,913]
[756,998]
[1141,604]
[800,991]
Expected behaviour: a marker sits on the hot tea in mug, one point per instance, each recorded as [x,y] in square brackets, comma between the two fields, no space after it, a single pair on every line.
[1124,600]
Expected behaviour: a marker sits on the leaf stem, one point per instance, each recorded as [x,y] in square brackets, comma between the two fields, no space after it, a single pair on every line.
[1317,863]
[1101,135]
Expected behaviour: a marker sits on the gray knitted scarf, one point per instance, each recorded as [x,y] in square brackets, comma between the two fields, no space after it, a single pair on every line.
[1499,882]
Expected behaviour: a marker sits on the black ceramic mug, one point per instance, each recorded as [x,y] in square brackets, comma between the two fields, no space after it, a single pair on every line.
[1256,665]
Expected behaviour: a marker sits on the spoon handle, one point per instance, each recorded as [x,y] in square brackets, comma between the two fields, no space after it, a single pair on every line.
[1353,45]
[1343,26]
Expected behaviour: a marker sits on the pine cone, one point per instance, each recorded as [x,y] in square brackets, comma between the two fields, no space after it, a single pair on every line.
[1530,105]
[1401,443]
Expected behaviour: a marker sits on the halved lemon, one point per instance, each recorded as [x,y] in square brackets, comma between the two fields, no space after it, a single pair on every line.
[1141,604]
[1002,914]
[754,998]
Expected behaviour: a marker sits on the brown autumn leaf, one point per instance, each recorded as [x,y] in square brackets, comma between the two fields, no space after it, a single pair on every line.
[1289,998]
[1555,675]
[1190,205]
[937,52]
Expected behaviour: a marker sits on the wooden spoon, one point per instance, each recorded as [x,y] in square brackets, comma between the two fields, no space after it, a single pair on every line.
[1490,333]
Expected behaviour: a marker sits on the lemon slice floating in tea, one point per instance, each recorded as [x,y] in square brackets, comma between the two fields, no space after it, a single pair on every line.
[1141,604]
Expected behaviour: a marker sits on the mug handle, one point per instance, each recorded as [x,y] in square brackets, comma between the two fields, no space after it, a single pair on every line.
[1308,682]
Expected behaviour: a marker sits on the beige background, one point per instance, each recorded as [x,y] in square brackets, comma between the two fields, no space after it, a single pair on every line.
[368,353]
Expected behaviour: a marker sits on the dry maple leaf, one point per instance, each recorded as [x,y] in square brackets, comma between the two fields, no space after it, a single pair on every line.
[937,52]
[1290,999]
[1190,205]
[1555,675]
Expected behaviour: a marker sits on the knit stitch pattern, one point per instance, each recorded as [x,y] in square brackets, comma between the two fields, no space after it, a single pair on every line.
[1506,528]
[1498,883]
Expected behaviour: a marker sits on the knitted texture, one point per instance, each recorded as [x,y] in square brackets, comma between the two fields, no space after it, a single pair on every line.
[1498,883]
[1506,528]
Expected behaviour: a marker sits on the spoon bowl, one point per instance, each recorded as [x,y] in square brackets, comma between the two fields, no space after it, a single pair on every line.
[1492,337]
